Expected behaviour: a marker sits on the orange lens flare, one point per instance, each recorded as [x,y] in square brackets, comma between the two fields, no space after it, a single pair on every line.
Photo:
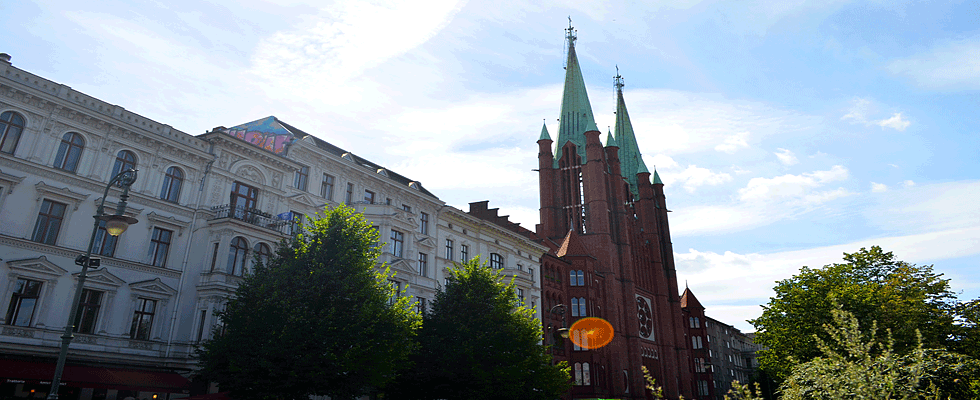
[591,333]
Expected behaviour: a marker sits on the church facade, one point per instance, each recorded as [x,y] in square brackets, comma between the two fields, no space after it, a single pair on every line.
[604,218]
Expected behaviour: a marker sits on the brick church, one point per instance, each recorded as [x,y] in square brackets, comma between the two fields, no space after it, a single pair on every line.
[604,218]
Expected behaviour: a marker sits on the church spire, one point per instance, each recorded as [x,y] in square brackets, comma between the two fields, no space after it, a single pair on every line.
[576,111]
[544,132]
[631,162]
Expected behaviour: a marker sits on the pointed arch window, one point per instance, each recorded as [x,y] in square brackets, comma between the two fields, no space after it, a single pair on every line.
[125,159]
[11,126]
[172,182]
[237,254]
[576,278]
[69,152]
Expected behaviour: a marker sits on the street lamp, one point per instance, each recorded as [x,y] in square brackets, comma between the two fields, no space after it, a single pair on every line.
[563,331]
[115,225]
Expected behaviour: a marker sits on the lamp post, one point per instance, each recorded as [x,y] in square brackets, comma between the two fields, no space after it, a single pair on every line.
[561,333]
[115,225]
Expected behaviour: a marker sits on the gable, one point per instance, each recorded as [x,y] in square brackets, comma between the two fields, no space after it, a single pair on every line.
[39,267]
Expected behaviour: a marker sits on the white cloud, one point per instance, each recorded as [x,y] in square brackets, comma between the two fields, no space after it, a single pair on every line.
[786,157]
[921,208]
[733,143]
[878,187]
[694,176]
[860,113]
[908,183]
[713,274]
[661,161]
[895,122]
[794,187]
[893,165]
[953,65]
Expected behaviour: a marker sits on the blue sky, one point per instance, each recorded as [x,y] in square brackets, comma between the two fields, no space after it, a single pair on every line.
[786,133]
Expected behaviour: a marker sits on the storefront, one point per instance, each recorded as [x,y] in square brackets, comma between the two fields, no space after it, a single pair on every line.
[32,380]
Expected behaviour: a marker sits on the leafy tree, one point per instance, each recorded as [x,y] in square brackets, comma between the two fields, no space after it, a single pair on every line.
[317,319]
[479,342]
[873,286]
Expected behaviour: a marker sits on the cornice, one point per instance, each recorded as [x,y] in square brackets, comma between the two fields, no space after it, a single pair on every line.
[71,253]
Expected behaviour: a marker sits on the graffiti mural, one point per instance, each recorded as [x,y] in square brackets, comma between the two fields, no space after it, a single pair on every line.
[266,133]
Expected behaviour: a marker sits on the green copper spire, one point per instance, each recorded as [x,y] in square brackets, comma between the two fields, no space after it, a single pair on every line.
[656,178]
[630,160]
[576,111]
[610,140]
[544,132]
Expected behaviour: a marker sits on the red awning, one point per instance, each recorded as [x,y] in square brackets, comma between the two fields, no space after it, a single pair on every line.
[94,377]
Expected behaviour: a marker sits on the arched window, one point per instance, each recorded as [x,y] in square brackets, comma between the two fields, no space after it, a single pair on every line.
[171,184]
[578,373]
[237,254]
[496,261]
[574,306]
[11,126]
[586,378]
[125,159]
[581,278]
[263,251]
[69,152]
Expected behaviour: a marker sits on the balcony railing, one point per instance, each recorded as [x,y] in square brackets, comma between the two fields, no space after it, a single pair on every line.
[252,216]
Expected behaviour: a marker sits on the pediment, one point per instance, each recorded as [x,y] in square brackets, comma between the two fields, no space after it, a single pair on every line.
[304,199]
[427,241]
[101,278]
[39,267]
[154,288]
[401,264]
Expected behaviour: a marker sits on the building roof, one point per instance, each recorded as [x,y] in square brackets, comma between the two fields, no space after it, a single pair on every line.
[572,245]
[610,140]
[277,136]
[688,300]
[656,177]
[544,132]
[576,111]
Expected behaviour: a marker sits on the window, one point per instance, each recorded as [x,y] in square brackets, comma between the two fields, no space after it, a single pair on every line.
[69,152]
[697,322]
[105,244]
[160,246]
[578,374]
[88,311]
[237,254]
[11,126]
[302,177]
[125,159]
[576,278]
[350,194]
[520,295]
[702,388]
[464,252]
[420,304]
[397,240]
[691,319]
[406,208]
[388,201]
[214,257]
[172,182]
[423,264]
[586,375]
[424,223]
[696,342]
[369,197]
[23,302]
[530,271]
[326,187]
[496,261]
[578,307]
[49,222]
[297,222]
[200,325]
[449,249]
[580,340]
[243,198]
[263,252]
[143,319]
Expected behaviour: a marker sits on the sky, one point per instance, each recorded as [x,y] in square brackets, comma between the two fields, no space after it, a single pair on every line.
[786,133]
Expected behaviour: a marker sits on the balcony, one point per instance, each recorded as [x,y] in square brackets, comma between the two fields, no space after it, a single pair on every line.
[253,217]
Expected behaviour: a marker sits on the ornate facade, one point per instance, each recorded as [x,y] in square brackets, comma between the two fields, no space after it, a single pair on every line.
[205,204]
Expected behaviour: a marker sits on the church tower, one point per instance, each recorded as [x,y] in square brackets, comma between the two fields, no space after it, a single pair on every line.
[611,255]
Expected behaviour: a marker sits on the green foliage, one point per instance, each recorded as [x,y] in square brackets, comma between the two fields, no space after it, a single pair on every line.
[477,342]
[317,319]
[851,367]
[651,384]
[743,392]
[904,298]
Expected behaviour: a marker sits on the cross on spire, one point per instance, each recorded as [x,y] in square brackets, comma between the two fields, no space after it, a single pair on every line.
[618,80]
[570,33]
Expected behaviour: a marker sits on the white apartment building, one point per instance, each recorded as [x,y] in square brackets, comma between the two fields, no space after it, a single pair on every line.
[205,204]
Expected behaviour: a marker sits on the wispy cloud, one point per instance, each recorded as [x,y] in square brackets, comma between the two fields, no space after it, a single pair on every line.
[878,187]
[953,65]
[694,177]
[797,188]
[895,122]
[786,157]
[733,143]
[861,109]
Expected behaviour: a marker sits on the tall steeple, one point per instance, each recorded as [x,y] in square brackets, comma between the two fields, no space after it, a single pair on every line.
[630,160]
[576,111]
